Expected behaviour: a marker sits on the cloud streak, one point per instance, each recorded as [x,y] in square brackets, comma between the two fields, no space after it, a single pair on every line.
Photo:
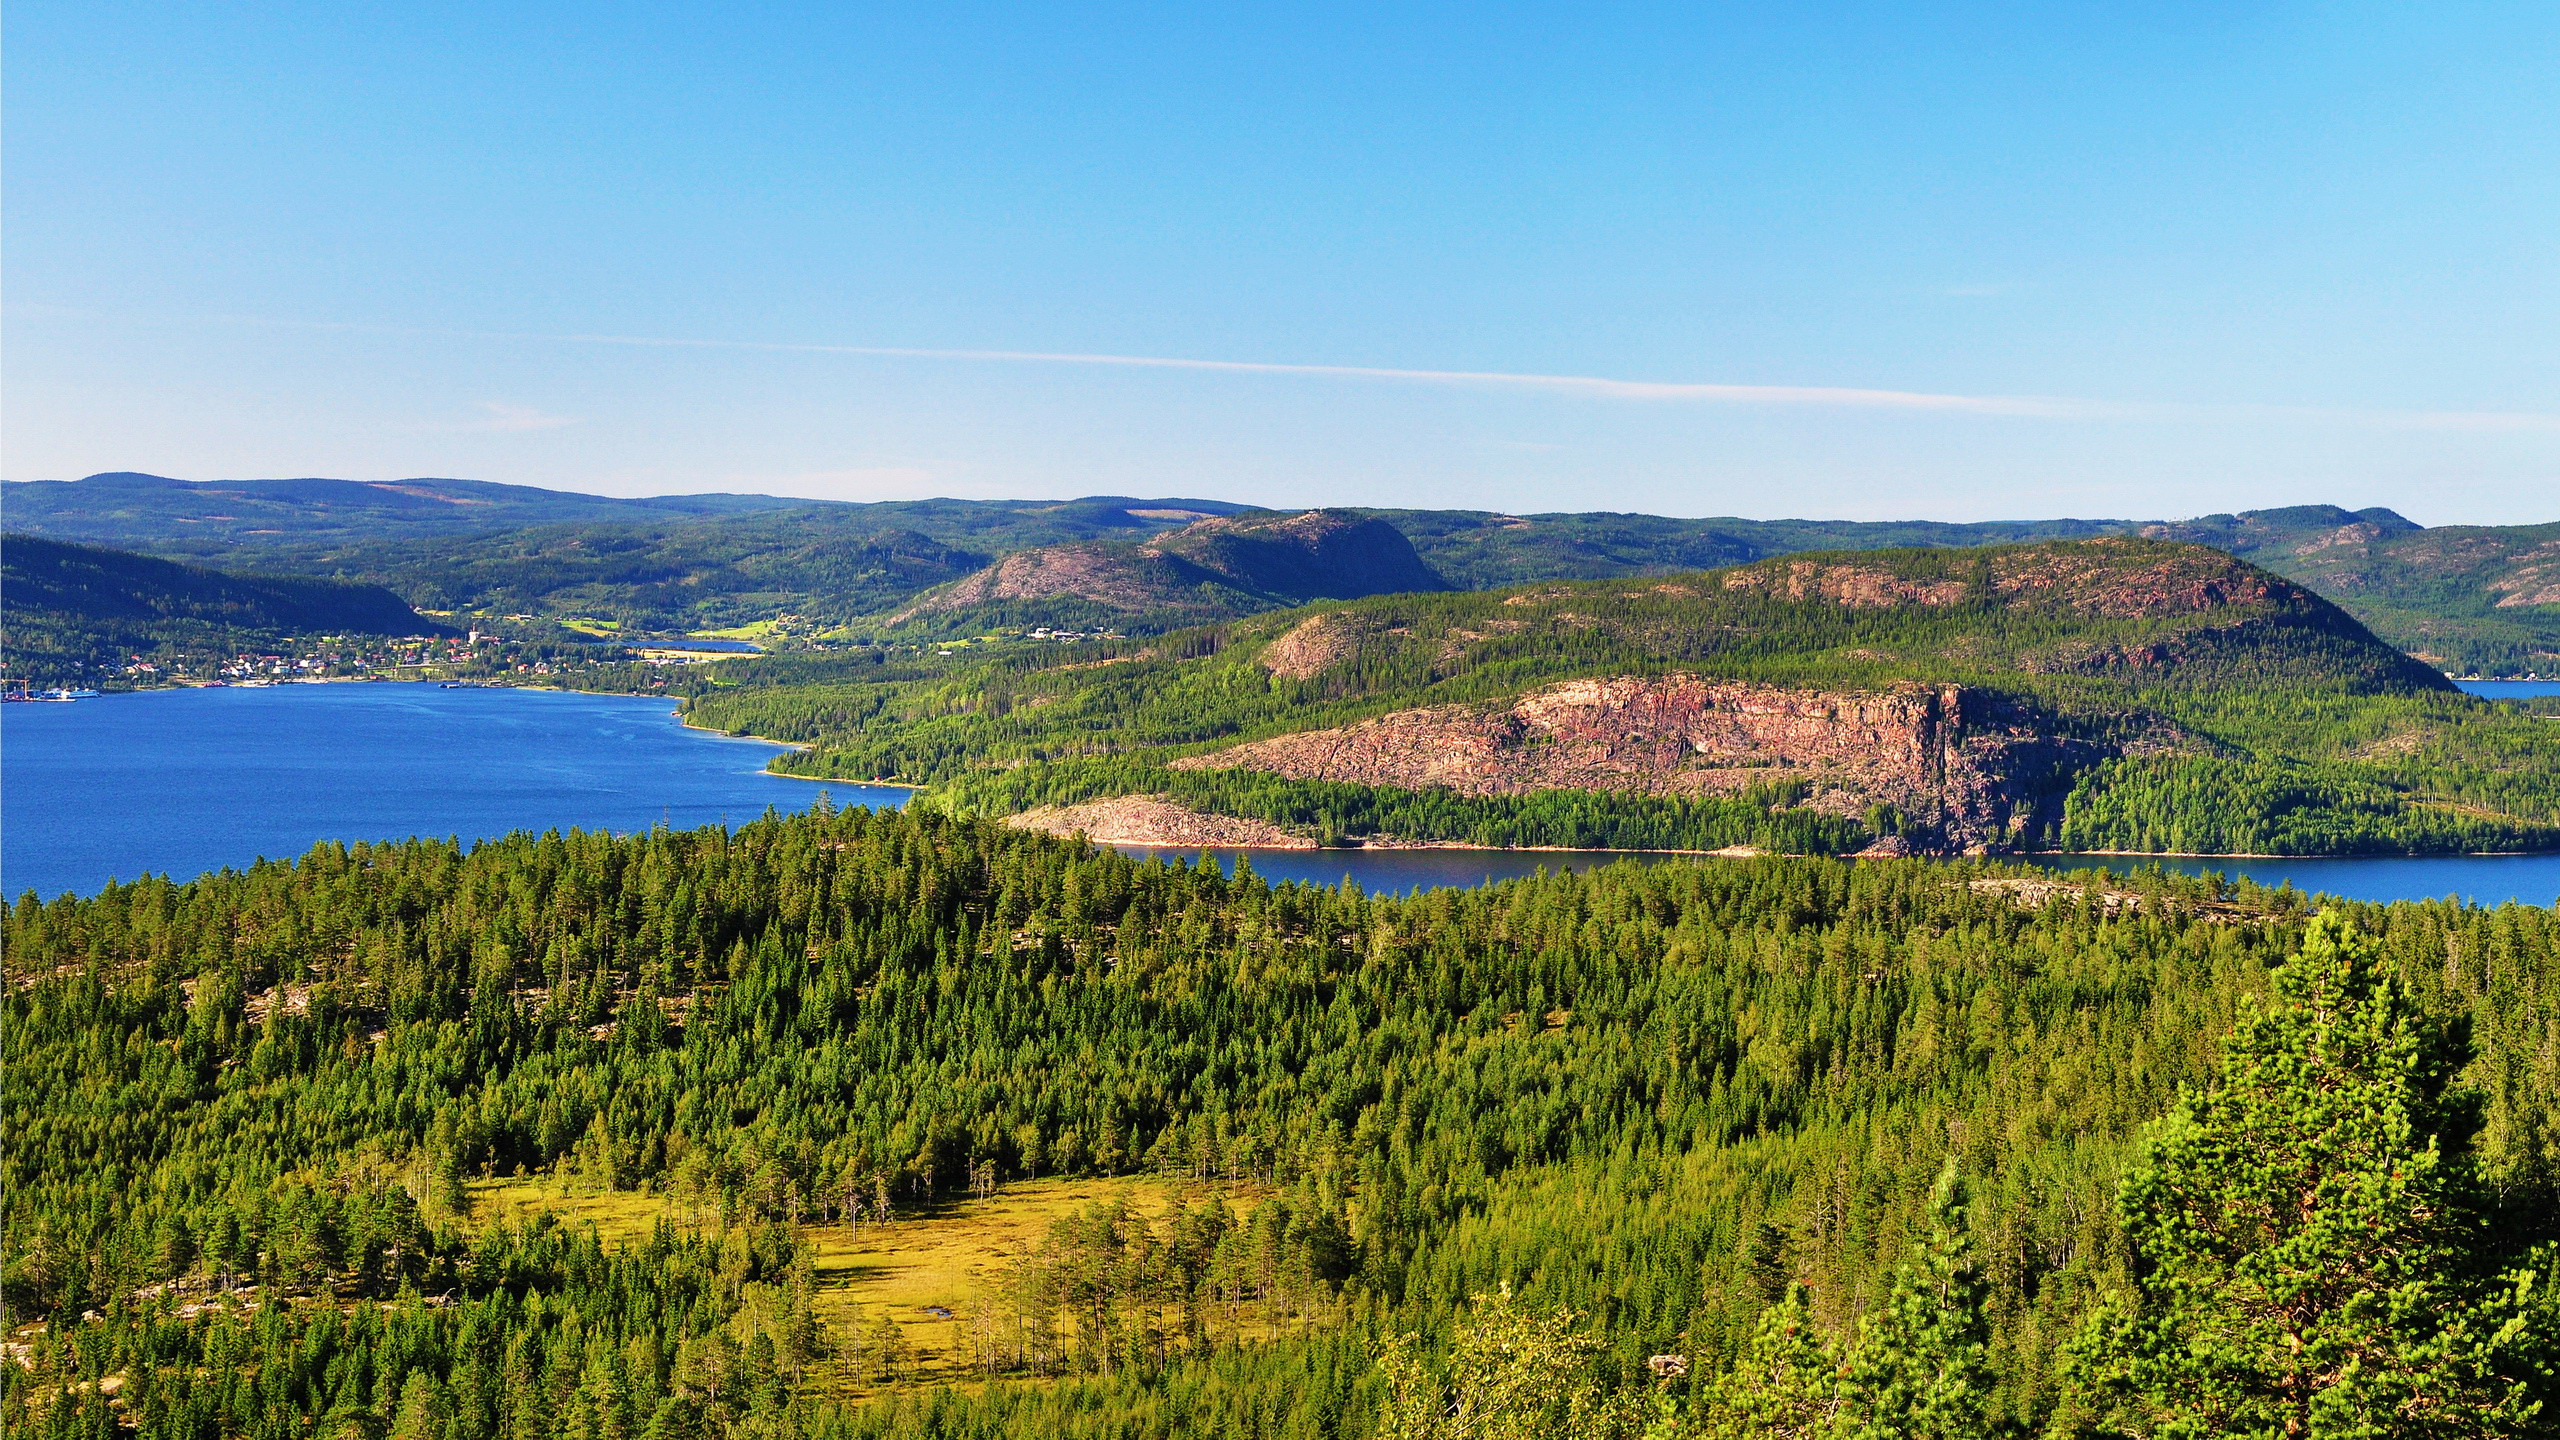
[2044,407]
[519,419]
[1917,402]
[1592,385]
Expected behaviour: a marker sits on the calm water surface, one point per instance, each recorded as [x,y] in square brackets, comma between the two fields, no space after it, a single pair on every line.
[1402,872]
[178,782]
[2485,879]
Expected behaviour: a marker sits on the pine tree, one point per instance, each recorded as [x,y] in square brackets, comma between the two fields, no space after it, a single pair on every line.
[677,1418]
[1785,1386]
[884,1349]
[603,1398]
[425,1408]
[528,1401]
[1918,1370]
[2311,1256]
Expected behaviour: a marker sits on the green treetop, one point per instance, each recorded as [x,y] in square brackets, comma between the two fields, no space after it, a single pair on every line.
[2311,1256]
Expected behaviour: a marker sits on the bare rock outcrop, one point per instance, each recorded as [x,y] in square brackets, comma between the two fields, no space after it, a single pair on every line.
[1310,647]
[1155,820]
[1965,769]
[1859,587]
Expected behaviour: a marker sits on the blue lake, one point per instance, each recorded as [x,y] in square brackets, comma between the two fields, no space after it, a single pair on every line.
[2484,879]
[2509,689]
[178,782]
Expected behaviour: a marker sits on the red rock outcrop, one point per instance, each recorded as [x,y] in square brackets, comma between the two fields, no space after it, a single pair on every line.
[2092,578]
[1858,587]
[1154,820]
[1964,769]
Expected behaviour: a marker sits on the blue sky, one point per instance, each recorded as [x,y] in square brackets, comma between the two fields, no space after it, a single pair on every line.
[1953,261]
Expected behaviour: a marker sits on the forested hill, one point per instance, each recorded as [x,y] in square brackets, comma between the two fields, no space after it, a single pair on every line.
[2482,599]
[205,517]
[376,526]
[2108,694]
[2473,599]
[1213,569]
[1655,1151]
[76,605]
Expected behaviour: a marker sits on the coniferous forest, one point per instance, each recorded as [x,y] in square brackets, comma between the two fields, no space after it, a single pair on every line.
[1710,1148]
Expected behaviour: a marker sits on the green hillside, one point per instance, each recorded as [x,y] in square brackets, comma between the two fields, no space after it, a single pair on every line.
[259,1129]
[1483,550]
[75,612]
[2470,599]
[210,517]
[666,564]
[2171,697]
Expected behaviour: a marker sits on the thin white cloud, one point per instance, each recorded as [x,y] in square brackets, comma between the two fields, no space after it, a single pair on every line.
[2040,407]
[2047,407]
[515,419]
[1594,385]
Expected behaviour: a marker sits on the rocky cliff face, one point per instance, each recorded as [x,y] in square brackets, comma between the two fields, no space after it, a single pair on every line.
[1964,769]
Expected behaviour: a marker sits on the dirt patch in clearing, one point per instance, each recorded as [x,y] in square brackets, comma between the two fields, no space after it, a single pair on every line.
[1154,820]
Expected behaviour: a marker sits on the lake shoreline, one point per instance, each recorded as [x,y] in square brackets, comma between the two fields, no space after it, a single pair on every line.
[799,745]
[237,774]
[1748,852]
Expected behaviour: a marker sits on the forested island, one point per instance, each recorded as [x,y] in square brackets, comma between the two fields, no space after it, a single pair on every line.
[1770,1147]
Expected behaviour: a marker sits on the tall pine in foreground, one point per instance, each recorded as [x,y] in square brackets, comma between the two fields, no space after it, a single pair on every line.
[1917,1371]
[1785,1386]
[2312,1257]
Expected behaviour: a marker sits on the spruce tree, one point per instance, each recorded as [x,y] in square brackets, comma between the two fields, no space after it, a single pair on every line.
[2311,1255]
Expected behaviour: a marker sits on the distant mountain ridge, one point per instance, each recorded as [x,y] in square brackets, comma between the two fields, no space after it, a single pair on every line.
[154,510]
[302,516]
[2468,599]
[2471,599]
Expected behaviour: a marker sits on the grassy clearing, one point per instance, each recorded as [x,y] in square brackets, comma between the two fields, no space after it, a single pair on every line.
[945,1256]
[617,1217]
